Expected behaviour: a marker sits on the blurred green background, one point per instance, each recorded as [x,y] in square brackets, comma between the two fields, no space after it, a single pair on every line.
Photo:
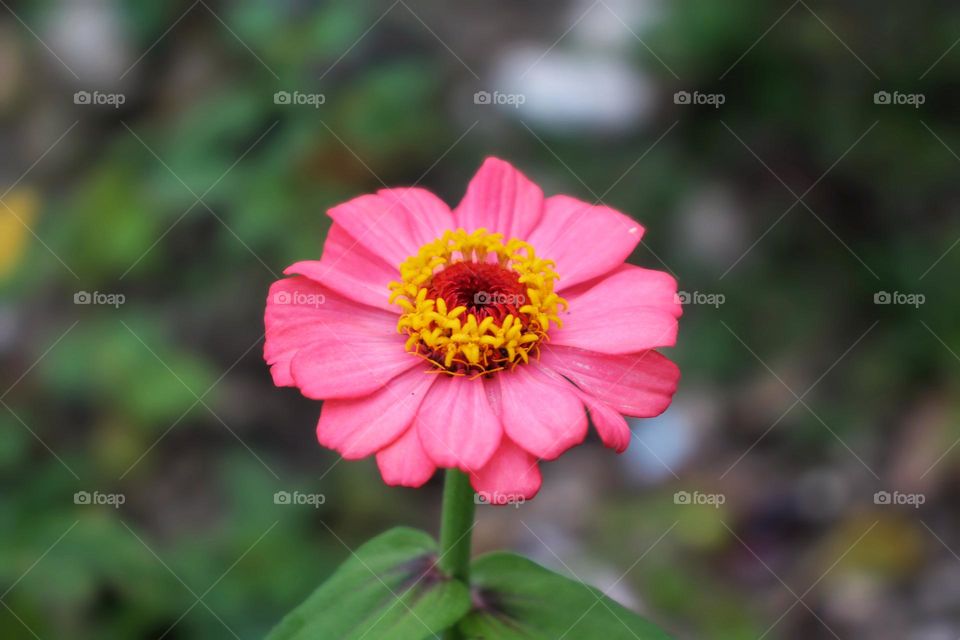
[150,164]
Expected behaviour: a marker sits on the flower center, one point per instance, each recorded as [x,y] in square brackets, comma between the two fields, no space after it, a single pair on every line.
[473,304]
[485,289]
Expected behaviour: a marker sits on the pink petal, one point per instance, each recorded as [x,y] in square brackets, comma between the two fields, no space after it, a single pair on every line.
[540,414]
[457,425]
[404,462]
[584,240]
[350,362]
[301,312]
[427,215]
[632,310]
[350,270]
[639,384]
[612,427]
[358,427]
[500,199]
[511,474]
[394,223]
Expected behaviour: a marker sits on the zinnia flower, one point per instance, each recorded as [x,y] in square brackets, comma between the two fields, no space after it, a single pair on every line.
[477,338]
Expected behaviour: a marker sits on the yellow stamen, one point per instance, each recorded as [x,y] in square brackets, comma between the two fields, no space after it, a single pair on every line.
[457,341]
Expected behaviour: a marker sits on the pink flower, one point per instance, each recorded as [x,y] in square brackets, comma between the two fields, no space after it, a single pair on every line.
[477,338]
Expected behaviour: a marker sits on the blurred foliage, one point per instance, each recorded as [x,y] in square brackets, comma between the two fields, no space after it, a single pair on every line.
[195,194]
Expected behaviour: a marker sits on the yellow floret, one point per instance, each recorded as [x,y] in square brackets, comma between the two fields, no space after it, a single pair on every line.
[457,342]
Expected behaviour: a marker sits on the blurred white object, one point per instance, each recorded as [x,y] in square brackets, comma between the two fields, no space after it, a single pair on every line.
[612,23]
[88,36]
[595,91]
[857,599]
[660,446]
[587,79]
[930,630]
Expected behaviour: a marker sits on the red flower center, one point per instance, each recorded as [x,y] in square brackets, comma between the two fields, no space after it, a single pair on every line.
[485,289]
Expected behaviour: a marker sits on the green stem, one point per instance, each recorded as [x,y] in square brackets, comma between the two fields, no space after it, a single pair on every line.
[456,525]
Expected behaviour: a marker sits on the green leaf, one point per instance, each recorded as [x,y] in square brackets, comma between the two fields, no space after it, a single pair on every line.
[389,588]
[522,600]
